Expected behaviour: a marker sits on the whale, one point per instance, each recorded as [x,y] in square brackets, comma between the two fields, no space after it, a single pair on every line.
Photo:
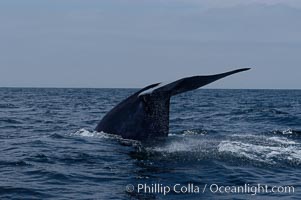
[145,114]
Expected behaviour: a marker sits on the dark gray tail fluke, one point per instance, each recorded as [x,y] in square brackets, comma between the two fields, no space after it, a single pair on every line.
[187,84]
[145,114]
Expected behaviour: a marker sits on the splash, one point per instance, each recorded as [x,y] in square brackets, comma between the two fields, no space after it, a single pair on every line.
[270,150]
[199,145]
[287,132]
[244,148]
[106,136]
[86,133]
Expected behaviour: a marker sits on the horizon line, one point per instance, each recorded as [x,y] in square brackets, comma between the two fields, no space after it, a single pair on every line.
[59,87]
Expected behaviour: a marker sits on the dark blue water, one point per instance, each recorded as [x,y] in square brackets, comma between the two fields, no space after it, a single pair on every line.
[226,137]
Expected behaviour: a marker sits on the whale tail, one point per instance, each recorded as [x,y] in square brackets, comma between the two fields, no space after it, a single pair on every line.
[145,114]
[185,84]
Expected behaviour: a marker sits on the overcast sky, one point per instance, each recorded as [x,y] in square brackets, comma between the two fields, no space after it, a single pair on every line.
[133,43]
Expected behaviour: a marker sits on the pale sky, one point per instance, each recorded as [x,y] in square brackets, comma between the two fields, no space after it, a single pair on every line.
[133,43]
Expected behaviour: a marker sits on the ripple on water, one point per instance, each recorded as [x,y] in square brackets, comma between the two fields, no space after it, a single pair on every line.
[222,136]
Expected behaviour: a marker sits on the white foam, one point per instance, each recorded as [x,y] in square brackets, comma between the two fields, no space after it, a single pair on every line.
[287,132]
[262,138]
[271,150]
[172,148]
[187,133]
[262,153]
[184,145]
[282,140]
[192,132]
[85,133]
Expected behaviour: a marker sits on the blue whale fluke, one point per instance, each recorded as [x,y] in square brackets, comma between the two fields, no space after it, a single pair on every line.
[145,114]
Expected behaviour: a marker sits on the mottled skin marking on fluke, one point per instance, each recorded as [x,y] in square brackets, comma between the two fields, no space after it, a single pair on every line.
[145,114]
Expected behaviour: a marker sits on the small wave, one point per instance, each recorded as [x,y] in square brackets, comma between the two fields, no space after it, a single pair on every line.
[21,192]
[194,132]
[259,110]
[288,132]
[282,140]
[8,105]
[105,136]
[10,121]
[102,135]
[79,157]
[14,163]
[189,132]
[243,148]
[86,133]
[56,136]
[264,139]
[278,112]
[269,154]
[40,158]
[262,148]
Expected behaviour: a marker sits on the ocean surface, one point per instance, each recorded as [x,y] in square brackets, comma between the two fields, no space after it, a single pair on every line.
[49,150]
